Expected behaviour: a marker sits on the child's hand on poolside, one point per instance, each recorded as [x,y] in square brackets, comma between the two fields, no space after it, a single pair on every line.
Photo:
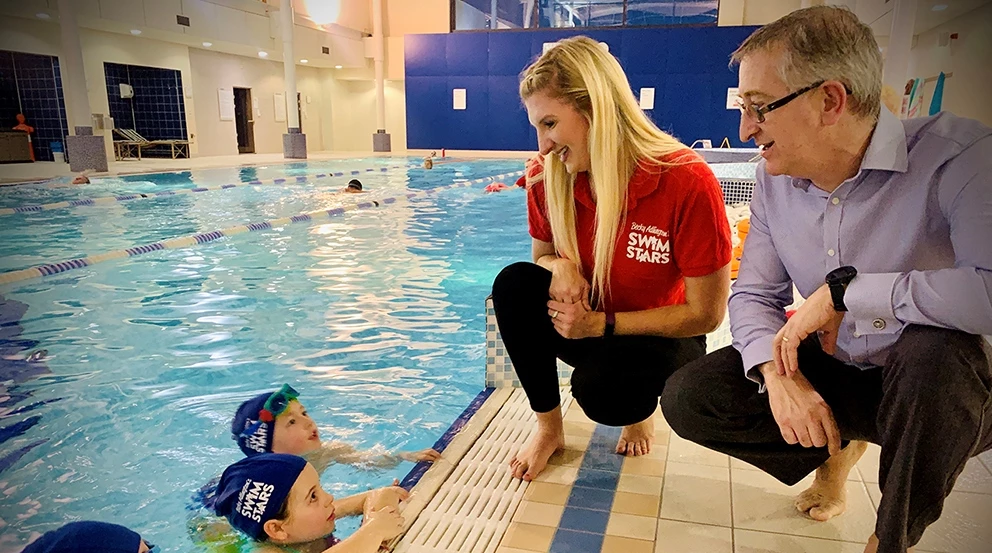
[385,497]
[386,523]
[423,455]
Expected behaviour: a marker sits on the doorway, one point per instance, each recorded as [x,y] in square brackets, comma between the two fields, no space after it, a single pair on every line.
[244,120]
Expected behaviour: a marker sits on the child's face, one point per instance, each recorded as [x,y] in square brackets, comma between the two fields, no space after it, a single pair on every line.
[311,509]
[295,432]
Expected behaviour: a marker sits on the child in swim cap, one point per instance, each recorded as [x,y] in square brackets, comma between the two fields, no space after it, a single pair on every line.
[354,187]
[277,499]
[276,422]
[90,537]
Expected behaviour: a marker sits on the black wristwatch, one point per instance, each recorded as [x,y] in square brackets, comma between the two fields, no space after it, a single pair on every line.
[837,280]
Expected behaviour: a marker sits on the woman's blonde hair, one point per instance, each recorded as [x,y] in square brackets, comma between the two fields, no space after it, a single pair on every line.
[580,72]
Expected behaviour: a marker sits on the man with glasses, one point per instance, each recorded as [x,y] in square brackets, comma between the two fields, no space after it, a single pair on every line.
[883,226]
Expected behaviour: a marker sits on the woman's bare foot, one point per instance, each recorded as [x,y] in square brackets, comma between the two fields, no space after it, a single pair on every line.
[827,497]
[636,439]
[550,437]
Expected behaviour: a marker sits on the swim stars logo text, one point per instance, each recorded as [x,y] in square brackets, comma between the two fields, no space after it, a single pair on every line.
[258,438]
[253,499]
[648,244]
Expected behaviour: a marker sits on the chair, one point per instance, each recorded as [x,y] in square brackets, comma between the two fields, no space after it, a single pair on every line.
[132,144]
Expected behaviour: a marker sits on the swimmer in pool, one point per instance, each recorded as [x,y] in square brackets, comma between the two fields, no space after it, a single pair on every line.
[277,500]
[276,422]
[354,187]
[429,161]
[89,536]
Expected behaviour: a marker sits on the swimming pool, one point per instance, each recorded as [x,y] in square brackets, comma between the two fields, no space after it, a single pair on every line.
[376,316]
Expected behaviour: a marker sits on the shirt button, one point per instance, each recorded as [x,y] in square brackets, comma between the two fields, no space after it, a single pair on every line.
[831,252]
[878,323]
[835,201]
[857,334]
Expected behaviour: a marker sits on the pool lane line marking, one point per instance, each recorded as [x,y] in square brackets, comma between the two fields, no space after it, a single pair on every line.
[130,196]
[49,269]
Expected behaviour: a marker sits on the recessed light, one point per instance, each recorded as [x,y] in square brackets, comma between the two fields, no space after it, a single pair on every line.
[337,67]
[42,15]
[135,32]
[208,44]
[304,61]
[939,7]
[263,54]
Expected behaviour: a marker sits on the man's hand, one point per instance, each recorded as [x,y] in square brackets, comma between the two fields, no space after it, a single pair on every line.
[817,314]
[802,415]
[576,320]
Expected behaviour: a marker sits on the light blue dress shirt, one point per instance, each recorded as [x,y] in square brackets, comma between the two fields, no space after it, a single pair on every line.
[915,221]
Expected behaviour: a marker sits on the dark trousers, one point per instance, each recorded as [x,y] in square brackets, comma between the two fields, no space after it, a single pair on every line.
[929,408]
[616,380]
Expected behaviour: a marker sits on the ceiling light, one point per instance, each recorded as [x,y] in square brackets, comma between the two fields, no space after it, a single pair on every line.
[42,15]
[337,67]
[939,7]
[263,54]
[135,32]
[304,61]
[208,44]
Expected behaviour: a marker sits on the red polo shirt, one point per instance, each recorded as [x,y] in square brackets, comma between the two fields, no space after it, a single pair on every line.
[676,226]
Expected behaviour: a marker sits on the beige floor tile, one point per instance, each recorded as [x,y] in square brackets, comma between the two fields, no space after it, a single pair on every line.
[636,504]
[567,457]
[868,465]
[545,492]
[976,477]
[617,544]
[659,421]
[511,550]
[558,475]
[684,451]
[579,442]
[686,537]
[764,504]
[573,428]
[963,526]
[631,526]
[541,514]
[636,483]
[696,493]
[529,537]
[575,414]
[855,475]
[986,459]
[748,541]
[645,466]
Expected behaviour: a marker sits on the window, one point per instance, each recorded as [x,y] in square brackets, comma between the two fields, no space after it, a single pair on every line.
[528,14]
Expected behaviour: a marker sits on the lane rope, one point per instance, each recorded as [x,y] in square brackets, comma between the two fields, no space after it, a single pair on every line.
[59,267]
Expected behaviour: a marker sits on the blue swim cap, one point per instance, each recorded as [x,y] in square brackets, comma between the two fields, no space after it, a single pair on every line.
[252,490]
[87,537]
[260,441]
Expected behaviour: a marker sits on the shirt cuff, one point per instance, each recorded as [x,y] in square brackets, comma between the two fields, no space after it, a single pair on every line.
[754,354]
[869,301]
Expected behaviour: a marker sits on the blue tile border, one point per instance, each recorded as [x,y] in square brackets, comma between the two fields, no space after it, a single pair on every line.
[584,520]
[571,541]
[591,498]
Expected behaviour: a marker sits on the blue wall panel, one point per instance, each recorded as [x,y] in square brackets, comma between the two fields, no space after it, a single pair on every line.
[687,67]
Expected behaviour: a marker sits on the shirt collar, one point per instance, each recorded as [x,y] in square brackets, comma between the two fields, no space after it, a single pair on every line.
[886,149]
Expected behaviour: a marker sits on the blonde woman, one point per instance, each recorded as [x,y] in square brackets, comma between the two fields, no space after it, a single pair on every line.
[631,250]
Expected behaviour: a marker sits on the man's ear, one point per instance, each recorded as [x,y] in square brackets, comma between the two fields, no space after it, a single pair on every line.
[835,102]
[275,529]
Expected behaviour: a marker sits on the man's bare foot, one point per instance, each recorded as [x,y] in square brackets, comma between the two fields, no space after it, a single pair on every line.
[636,439]
[872,546]
[550,437]
[827,497]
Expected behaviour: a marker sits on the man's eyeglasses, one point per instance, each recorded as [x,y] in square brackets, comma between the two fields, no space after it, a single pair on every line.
[752,112]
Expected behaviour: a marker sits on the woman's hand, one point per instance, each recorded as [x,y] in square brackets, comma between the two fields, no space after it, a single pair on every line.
[385,523]
[576,320]
[567,283]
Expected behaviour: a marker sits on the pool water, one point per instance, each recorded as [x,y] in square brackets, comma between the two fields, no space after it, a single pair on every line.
[376,317]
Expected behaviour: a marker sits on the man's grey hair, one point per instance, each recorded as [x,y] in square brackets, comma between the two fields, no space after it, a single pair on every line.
[824,43]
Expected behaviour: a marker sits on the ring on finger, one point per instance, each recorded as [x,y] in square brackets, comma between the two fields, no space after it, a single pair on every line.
[785,339]
[554,315]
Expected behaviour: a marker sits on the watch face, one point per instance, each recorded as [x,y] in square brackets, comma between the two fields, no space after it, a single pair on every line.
[841,275]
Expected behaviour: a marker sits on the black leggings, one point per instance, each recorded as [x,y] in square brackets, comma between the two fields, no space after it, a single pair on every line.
[616,380]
